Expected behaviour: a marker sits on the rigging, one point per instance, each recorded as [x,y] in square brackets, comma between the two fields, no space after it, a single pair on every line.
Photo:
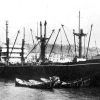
[54,42]
[14,42]
[89,40]
[67,39]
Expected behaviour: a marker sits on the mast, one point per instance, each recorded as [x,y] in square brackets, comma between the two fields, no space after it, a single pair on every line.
[22,49]
[7,44]
[84,46]
[80,39]
[45,24]
[0,52]
[37,28]
[74,43]
[79,22]
[32,36]
[80,35]
[42,39]
[41,29]
[43,42]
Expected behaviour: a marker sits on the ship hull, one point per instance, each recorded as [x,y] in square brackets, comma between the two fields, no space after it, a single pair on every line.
[66,72]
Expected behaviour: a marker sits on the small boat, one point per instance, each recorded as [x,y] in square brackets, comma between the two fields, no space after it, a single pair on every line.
[33,84]
[77,83]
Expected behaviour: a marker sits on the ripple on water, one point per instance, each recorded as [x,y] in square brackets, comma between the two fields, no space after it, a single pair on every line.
[8,91]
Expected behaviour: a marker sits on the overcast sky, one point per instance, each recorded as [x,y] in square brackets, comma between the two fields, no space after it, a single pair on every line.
[26,13]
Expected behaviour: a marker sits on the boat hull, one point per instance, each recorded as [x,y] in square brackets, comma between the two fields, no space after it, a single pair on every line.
[40,85]
[67,72]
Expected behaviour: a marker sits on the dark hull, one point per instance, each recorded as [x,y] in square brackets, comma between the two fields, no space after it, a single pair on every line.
[66,72]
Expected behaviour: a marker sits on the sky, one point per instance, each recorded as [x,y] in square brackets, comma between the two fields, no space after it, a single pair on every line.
[27,13]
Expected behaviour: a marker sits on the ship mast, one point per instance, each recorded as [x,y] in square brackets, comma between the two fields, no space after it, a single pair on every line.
[22,49]
[80,35]
[42,39]
[7,44]
[80,39]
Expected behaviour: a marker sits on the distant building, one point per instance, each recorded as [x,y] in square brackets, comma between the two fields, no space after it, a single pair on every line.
[96,57]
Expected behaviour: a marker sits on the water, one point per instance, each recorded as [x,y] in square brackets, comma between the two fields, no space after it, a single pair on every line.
[8,91]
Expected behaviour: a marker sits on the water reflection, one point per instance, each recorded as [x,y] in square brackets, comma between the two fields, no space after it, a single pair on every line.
[8,91]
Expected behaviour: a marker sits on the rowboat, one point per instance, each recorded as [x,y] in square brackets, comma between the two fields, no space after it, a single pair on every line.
[77,83]
[33,84]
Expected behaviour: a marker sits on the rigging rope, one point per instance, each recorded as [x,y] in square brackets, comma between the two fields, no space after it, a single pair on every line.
[14,42]
[89,40]
[67,38]
[32,49]
[49,38]
[54,42]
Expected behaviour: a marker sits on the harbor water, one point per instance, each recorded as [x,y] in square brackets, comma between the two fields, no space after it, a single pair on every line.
[8,91]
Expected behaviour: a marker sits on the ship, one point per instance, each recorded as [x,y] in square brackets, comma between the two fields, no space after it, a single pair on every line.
[66,71]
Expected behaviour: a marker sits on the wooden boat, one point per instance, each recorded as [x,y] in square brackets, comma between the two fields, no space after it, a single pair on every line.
[77,83]
[33,84]
[54,82]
